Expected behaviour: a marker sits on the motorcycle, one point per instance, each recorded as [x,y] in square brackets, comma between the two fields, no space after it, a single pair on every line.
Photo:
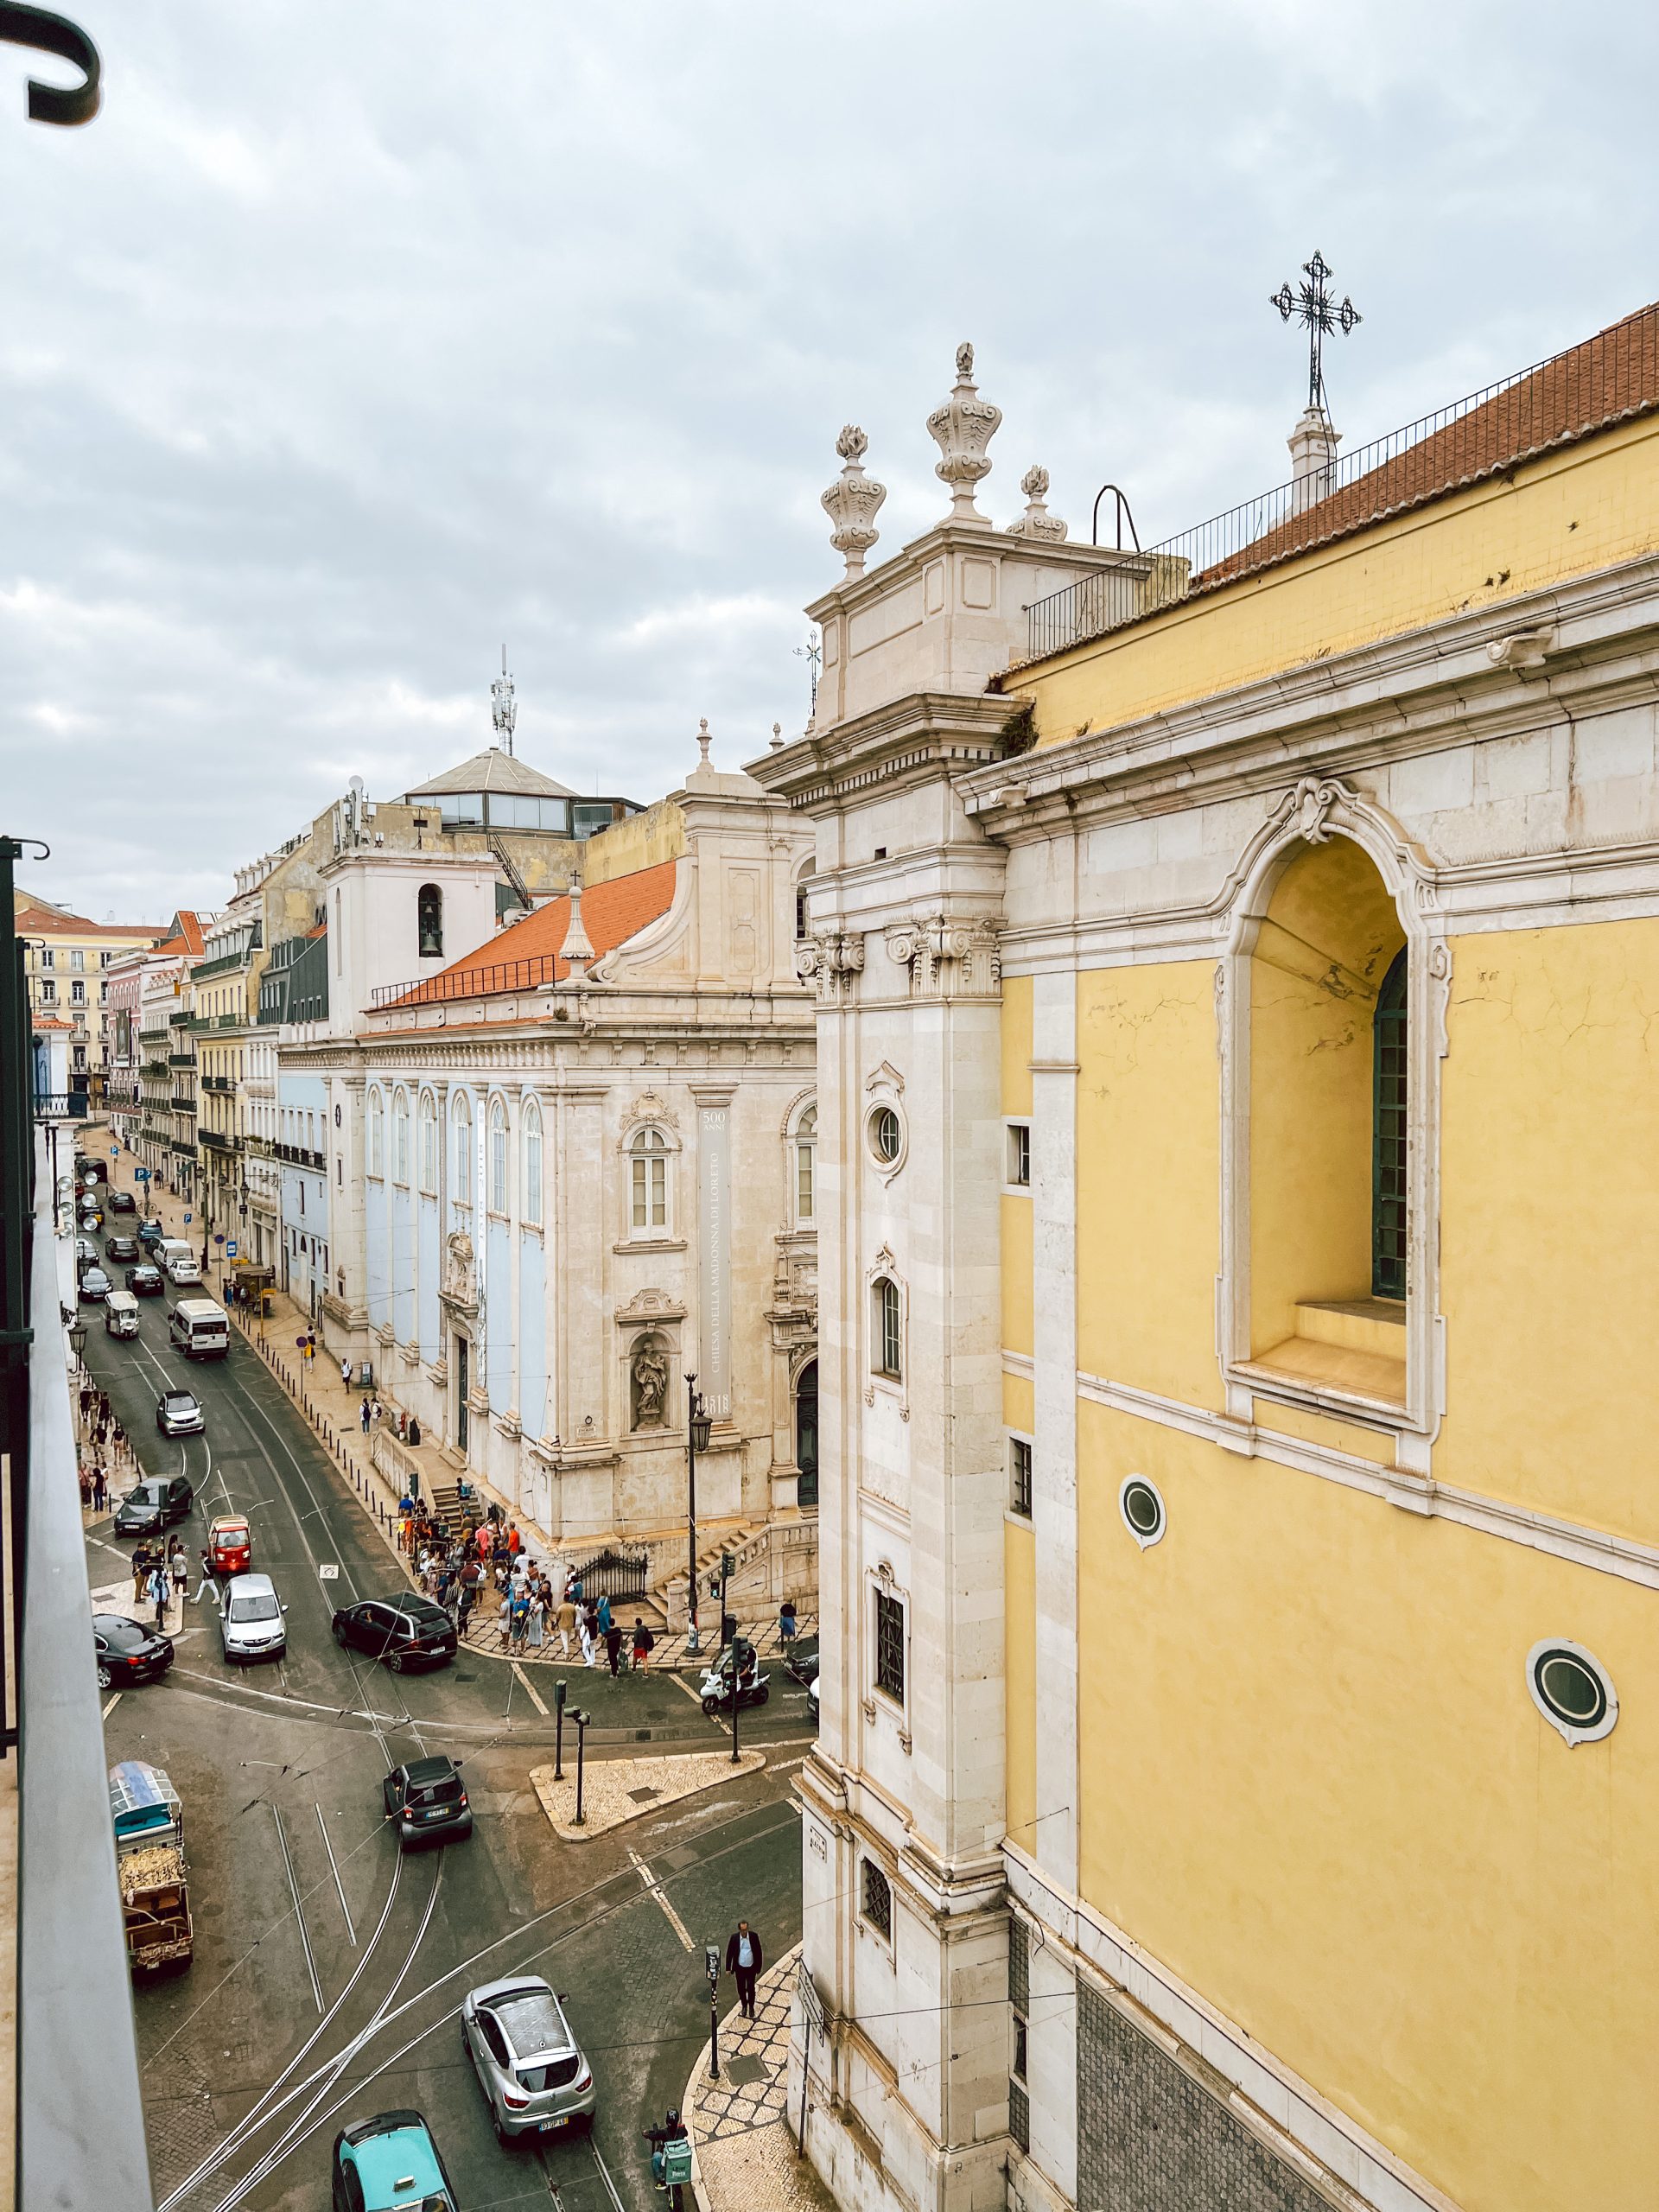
[752,1688]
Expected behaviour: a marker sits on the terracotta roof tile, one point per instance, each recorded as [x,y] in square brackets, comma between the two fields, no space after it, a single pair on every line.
[526,957]
[1607,379]
[45,921]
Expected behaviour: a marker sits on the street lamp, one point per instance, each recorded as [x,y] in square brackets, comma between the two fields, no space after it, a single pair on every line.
[78,1342]
[697,1425]
[711,1963]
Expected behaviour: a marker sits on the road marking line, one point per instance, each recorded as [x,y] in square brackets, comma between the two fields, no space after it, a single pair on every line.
[335,1870]
[299,1914]
[111,1707]
[655,1888]
[528,1689]
[695,1696]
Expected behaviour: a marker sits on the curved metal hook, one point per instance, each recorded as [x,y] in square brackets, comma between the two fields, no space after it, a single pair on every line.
[12,848]
[50,34]
[1123,511]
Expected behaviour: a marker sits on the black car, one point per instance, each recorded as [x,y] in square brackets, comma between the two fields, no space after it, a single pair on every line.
[150,1233]
[804,1660]
[145,1281]
[428,1797]
[154,1505]
[407,1631]
[128,1652]
[122,1202]
[94,1284]
[121,1248]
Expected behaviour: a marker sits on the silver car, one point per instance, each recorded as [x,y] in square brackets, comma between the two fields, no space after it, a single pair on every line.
[252,1625]
[528,2063]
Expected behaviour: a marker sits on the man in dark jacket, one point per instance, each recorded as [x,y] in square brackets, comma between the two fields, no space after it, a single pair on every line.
[744,1959]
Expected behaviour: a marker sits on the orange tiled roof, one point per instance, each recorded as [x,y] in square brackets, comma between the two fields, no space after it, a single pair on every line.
[46,921]
[526,957]
[1607,379]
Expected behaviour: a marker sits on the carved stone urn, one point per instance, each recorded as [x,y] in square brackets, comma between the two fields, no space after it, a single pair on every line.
[852,501]
[961,429]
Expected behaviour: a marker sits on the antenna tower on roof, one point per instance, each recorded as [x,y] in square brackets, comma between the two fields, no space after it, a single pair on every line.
[504,708]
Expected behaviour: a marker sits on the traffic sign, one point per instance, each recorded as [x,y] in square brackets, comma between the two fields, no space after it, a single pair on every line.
[230,1250]
[186,1221]
[115,1152]
[141,1174]
[327,1574]
[219,1236]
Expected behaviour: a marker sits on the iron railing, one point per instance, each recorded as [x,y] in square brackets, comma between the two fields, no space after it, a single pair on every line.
[1609,379]
[60,1106]
[469,982]
[613,1574]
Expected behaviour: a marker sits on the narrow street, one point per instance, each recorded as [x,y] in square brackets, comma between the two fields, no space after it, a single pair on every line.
[329,1967]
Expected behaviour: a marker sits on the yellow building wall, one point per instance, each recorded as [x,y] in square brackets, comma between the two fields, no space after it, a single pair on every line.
[1568,514]
[1549,1223]
[1148,1178]
[1313,1783]
[641,841]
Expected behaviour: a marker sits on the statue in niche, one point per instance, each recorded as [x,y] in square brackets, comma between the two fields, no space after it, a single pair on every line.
[649,1374]
[458,1268]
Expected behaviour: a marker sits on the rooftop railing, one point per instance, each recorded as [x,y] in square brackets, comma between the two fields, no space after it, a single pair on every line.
[1608,378]
[468,983]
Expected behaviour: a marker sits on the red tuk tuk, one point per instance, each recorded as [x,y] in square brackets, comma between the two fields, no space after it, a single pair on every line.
[229,1544]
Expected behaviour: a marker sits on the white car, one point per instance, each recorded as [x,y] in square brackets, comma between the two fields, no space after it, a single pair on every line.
[183,1269]
[251,1624]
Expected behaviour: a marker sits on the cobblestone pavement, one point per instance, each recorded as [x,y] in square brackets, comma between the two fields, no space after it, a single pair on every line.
[740,2132]
[484,1634]
[615,1791]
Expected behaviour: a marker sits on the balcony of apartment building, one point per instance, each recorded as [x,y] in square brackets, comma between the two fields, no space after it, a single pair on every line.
[181,1018]
[219,1139]
[297,1156]
[71,2124]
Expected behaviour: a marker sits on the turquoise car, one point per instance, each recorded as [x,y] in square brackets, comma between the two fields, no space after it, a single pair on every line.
[391,2164]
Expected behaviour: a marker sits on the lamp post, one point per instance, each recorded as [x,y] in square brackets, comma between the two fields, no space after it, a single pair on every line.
[711,1962]
[578,1819]
[560,1692]
[78,1343]
[697,1425]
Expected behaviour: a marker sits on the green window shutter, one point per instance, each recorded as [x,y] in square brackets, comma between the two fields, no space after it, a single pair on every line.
[1388,1135]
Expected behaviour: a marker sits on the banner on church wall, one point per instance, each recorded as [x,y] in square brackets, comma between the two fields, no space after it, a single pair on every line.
[715,1260]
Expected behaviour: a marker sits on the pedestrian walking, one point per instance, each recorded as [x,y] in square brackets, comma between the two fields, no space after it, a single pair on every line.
[158,1594]
[744,1959]
[209,1580]
[643,1642]
[414,1429]
[604,1615]
[140,1572]
[375,1414]
[517,1620]
[585,1630]
[613,1649]
[567,1623]
[345,1374]
[535,1614]
[788,1625]
[362,1416]
[101,1490]
[178,1560]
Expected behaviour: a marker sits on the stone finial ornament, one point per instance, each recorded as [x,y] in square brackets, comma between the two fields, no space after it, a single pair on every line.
[1037,522]
[852,500]
[777,737]
[704,741]
[961,429]
[577,951]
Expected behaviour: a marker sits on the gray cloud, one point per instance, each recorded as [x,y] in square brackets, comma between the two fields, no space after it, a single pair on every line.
[346,343]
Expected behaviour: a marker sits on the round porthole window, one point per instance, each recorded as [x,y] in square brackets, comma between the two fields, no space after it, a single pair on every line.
[887,1135]
[1142,1509]
[1570,1688]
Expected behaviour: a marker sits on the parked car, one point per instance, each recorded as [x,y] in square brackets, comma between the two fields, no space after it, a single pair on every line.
[251,1624]
[94,1283]
[528,2062]
[124,1248]
[154,1505]
[128,1652]
[427,1799]
[145,1281]
[390,2164]
[122,1202]
[804,1660]
[407,1631]
[150,1234]
[85,1253]
[179,1413]
[229,1544]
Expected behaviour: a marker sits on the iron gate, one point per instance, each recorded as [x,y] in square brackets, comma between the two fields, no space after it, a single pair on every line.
[613,1574]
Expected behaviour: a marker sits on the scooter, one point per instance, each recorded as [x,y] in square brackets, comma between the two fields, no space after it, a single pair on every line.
[752,1688]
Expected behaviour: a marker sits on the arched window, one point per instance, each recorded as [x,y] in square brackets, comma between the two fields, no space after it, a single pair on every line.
[800,903]
[531,1208]
[806,1433]
[650,1176]
[377,1135]
[460,1154]
[399,1138]
[426,1144]
[806,1146]
[497,1157]
[887,1338]
[1388,1134]
[429,916]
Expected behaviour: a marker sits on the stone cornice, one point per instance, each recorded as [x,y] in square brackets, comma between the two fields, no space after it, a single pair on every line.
[1066,556]
[908,740]
[1598,639]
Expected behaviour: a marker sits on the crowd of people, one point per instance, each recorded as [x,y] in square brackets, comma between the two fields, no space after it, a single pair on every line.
[103,1452]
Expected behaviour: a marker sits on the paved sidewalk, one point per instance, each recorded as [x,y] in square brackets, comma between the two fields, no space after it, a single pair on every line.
[743,2136]
[484,1634]
[616,1790]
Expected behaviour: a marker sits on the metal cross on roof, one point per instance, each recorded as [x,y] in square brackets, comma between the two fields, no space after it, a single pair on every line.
[504,708]
[1312,304]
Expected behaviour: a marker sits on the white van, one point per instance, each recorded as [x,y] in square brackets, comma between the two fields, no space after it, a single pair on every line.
[121,1313]
[201,1329]
[173,1247]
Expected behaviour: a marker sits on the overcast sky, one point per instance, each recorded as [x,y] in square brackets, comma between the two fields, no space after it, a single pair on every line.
[349,341]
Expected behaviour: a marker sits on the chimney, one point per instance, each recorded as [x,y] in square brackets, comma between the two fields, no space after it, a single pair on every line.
[1313,445]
